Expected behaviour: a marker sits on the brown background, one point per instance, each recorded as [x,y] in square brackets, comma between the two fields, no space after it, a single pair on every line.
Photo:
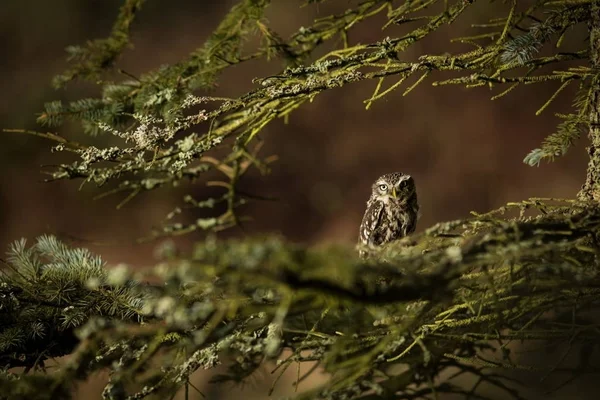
[464,150]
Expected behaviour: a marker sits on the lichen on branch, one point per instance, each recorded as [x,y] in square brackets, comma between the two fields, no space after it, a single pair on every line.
[451,297]
[508,53]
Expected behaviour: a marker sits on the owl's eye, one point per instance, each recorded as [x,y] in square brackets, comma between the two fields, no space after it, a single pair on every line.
[383,187]
[403,184]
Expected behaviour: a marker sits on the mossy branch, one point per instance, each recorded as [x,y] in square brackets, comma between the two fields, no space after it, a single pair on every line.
[429,302]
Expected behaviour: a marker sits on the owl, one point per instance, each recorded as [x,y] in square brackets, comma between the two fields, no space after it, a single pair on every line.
[392,210]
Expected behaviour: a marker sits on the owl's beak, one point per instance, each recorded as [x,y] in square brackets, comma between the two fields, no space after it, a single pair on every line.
[394,195]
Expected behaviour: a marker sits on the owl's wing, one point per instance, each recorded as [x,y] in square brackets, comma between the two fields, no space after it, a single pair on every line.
[370,220]
[411,222]
[411,225]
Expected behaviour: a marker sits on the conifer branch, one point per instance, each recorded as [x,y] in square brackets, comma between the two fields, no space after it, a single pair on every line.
[244,302]
[99,55]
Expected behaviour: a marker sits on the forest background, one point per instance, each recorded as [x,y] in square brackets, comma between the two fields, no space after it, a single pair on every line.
[464,150]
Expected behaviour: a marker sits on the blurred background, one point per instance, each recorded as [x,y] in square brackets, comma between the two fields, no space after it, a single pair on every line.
[464,150]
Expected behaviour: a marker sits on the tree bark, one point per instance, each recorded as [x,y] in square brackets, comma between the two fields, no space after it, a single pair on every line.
[590,190]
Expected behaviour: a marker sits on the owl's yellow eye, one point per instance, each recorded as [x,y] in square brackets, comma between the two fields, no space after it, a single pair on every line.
[383,187]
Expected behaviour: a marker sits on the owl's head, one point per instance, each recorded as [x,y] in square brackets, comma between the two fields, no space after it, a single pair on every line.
[395,186]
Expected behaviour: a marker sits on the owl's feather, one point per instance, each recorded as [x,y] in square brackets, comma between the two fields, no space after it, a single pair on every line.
[370,221]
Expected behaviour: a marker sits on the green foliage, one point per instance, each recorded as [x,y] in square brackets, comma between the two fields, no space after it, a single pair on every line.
[100,55]
[523,48]
[568,132]
[148,111]
[222,49]
[49,290]
[387,326]
[90,112]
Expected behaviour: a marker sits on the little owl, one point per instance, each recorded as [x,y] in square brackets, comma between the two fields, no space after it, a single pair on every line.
[391,212]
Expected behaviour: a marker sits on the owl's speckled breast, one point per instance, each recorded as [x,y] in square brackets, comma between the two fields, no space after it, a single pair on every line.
[396,222]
